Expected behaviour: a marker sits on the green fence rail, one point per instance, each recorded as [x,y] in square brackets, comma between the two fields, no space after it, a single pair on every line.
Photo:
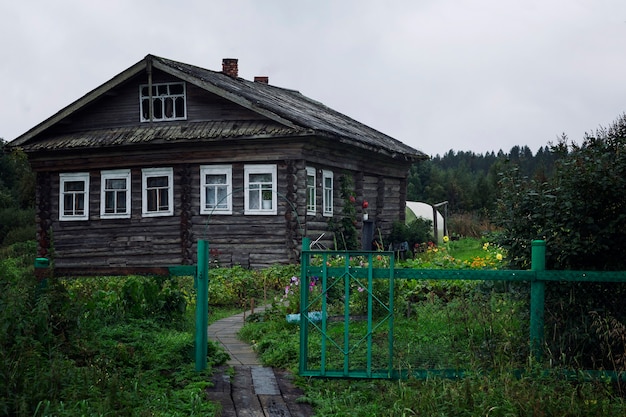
[333,276]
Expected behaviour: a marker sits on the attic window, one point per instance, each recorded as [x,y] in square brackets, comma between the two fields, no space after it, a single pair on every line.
[168,102]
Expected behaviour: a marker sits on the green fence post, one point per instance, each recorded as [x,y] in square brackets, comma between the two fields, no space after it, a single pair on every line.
[537,299]
[304,337]
[202,305]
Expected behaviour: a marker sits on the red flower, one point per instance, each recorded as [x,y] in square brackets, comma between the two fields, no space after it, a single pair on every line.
[352,199]
[365,204]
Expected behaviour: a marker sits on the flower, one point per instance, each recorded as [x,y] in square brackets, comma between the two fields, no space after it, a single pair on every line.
[446,239]
[499,256]
[365,204]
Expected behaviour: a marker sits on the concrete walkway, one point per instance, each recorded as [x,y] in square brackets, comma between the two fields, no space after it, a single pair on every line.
[246,388]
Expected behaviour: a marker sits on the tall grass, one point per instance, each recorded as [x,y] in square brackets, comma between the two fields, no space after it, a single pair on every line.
[97,346]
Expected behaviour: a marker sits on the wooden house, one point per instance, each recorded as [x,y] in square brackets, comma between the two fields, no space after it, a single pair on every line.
[132,174]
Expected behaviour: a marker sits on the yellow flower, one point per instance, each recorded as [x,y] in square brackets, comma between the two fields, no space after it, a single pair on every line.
[446,239]
[499,256]
[486,246]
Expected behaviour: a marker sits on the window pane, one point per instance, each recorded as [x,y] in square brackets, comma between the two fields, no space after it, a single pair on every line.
[152,200]
[216,179]
[145,110]
[156,182]
[115,184]
[222,202]
[158,108]
[80,204]
[169,107]
[179,106]
[254,199]
[210,197]
[68,203]
[176,89]
[121,202]
[74,186]
[163,200]
[109,203]
[260,178]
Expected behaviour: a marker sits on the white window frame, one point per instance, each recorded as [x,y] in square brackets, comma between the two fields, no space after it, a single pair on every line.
[157,172]
[74,177]
[226,170]
[117,174]
[249,194]
[161,93]
[327,193]
[311,191]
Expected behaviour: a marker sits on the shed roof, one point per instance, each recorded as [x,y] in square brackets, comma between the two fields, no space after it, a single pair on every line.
[289,113]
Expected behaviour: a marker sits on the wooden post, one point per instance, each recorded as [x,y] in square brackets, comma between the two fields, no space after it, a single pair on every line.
[202,305]
[304,336]
[537,299]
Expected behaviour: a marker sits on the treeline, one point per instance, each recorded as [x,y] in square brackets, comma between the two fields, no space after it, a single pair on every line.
[17,197]
[469,181]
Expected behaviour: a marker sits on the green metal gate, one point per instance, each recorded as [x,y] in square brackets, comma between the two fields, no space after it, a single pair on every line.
[349,346]
[346,342]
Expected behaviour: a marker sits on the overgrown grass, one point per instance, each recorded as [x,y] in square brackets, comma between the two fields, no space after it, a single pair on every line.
[124,345]
[120,346]
[467,248]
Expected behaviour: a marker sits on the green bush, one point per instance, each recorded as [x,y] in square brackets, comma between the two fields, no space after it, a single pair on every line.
[16,225]
[417,232]
[581,214]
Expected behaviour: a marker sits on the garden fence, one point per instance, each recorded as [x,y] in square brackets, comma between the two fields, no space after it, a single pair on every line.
[347,346]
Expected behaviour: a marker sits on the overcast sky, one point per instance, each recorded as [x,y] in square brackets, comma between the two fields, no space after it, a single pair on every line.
[468,75]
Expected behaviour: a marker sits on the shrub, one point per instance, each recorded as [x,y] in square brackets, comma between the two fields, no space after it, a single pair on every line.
[580,213]
[417,232]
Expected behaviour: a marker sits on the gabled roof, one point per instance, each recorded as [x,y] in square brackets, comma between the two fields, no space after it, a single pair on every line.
[288,108]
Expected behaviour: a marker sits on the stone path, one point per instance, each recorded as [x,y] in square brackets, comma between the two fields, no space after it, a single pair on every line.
[244,387]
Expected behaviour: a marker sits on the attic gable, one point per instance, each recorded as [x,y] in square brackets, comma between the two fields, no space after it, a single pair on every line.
[281,106]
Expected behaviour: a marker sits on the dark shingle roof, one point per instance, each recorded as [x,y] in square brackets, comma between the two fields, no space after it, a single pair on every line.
[164,133]
[291,112]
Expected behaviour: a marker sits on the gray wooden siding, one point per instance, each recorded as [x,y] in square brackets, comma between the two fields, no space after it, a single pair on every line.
[135,242]
[120,107]
[248,240]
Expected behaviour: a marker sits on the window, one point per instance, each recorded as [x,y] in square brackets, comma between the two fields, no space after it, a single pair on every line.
[115,194]
[216,189]
[168,102]
[74,196]
[158,192]
[310,190]
[327,192]
[260,186]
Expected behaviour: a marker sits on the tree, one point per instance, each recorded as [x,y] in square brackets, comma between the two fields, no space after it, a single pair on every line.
[17,197]
[580,211]
[581,214]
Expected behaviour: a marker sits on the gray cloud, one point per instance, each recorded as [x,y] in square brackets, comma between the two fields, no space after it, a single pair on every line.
[476,75]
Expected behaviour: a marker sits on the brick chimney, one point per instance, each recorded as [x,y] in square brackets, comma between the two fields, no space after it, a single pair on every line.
[262,79]
[229,67]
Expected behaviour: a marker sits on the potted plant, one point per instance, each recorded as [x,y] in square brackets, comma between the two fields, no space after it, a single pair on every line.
[266,199]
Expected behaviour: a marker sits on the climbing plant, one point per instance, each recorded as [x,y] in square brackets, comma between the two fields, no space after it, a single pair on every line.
[344,228]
